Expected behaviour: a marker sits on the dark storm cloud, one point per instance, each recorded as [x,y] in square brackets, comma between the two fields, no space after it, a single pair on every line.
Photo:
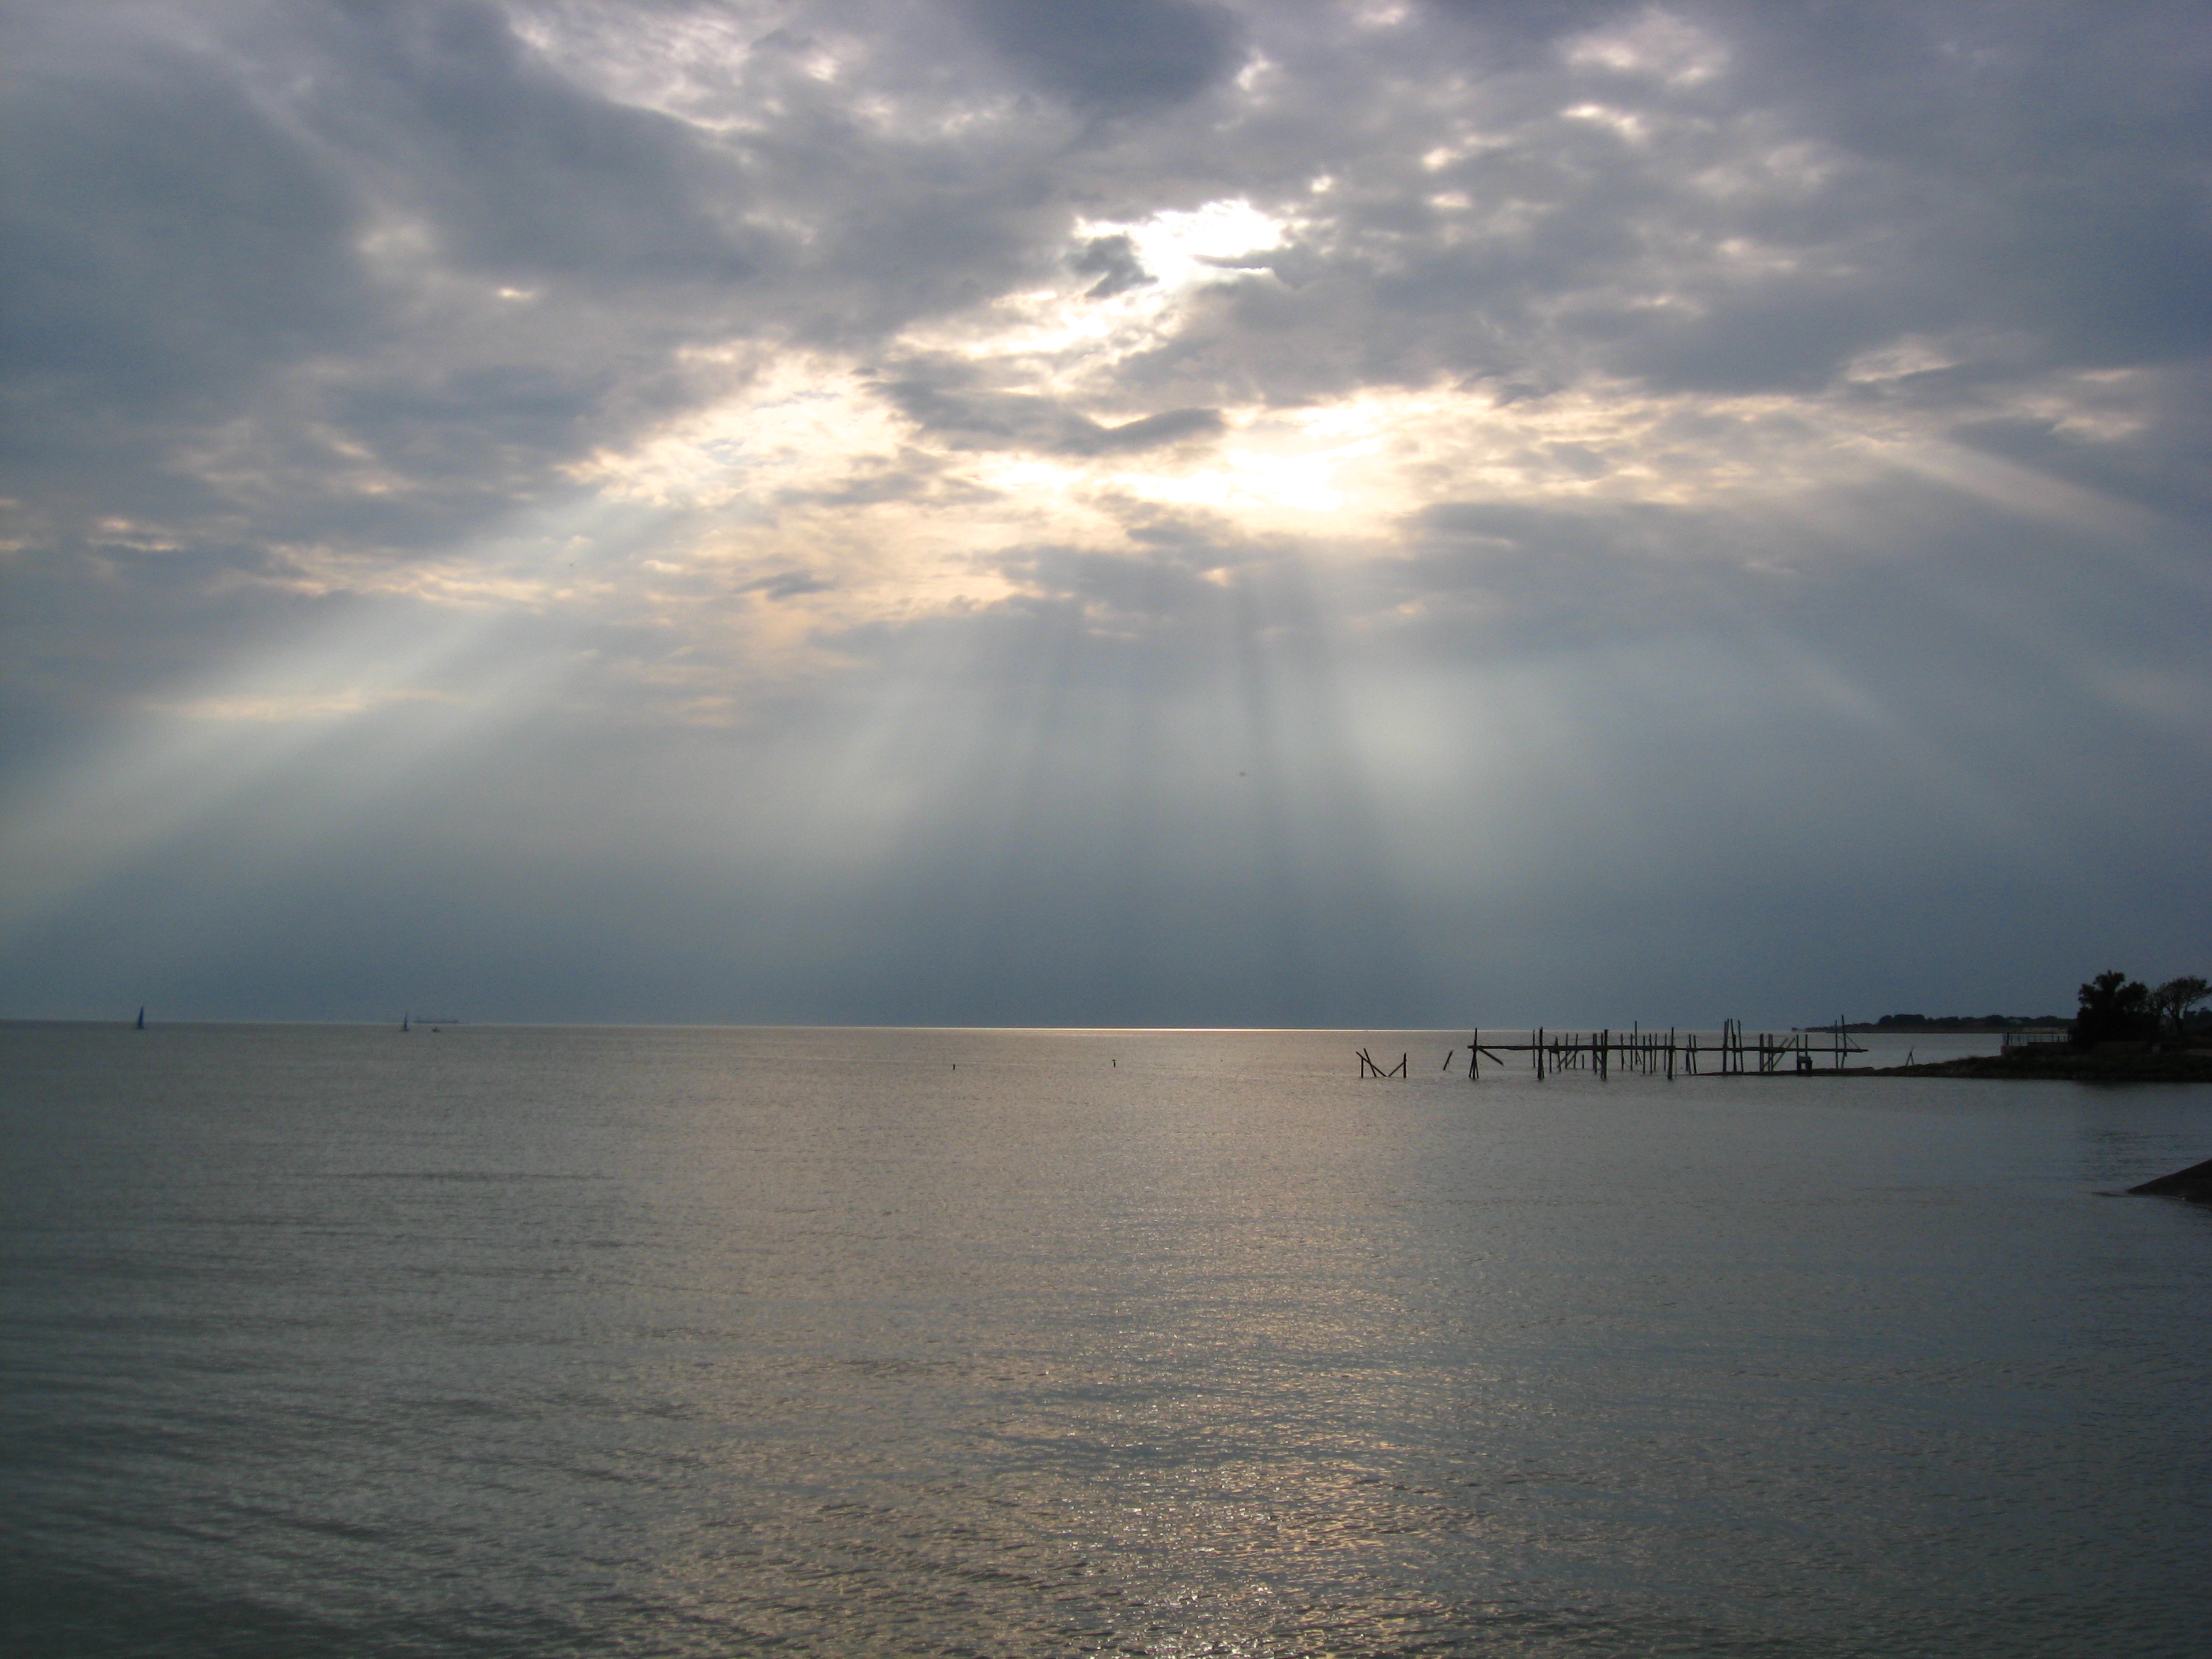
[1169,426]
[1117,57]
[1823,183]
[205,232]
[166,239]
[1113,260]
[523,173]
[164,247]
[2028,169]
[788,584]
[940,399]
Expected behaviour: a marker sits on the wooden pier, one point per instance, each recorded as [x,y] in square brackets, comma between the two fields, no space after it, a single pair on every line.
[1732,1053]
[1655,1053]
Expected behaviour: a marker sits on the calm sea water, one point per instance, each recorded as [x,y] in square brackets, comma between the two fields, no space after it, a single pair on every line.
[334,1340]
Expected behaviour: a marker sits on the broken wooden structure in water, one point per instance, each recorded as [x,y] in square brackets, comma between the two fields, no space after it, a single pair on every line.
[1655,1053]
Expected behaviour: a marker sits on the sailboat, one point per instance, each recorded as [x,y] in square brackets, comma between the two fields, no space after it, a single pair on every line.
[141,1016]
[403,1018]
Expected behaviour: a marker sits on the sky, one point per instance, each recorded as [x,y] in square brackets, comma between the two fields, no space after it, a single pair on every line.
[1158,512]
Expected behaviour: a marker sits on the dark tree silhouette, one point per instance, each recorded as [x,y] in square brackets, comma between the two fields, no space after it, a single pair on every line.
[2114,1009]
[2173,1000]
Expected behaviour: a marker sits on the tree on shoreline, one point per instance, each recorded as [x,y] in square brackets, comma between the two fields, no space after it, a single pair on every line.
[2114,1009]
[2173,999]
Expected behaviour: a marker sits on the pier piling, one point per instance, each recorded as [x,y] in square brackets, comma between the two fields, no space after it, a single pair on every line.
[1638,1050]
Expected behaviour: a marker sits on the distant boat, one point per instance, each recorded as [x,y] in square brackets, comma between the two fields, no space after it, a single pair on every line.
[141,1016]
[404,1025]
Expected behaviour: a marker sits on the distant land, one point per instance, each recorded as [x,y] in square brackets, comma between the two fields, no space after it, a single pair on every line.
[1918,1023]
[2110,1063]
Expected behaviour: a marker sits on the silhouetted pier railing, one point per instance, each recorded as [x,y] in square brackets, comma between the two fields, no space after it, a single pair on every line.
[1730,1052]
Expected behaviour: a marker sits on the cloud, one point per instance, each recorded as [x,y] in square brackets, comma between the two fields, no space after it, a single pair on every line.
[1113,260]
[934,399]
[1397,397]
[512,168]
[788,584]
[1115,59]
[169,249]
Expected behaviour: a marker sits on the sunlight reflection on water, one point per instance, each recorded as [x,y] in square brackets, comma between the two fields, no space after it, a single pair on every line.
[601,1341]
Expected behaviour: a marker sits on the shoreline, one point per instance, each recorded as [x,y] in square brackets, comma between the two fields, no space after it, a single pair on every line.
[2190,1066]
